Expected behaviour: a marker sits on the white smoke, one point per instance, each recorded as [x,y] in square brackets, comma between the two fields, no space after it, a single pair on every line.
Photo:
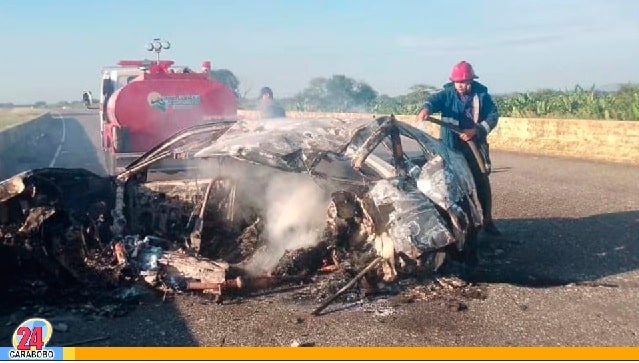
[295,214]
[292,207]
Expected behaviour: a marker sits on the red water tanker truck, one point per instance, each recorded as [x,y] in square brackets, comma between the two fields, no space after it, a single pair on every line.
[143,102]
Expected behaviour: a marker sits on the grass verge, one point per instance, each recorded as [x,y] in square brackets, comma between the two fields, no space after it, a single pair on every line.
[15,116]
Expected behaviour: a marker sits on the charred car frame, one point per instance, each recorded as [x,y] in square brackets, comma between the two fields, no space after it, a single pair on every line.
[259,200]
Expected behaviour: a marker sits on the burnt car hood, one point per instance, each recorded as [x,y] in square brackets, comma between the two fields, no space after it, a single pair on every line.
[283,143]
[288,144]
[184,143]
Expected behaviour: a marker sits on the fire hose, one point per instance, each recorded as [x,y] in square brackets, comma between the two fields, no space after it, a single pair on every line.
[471,143]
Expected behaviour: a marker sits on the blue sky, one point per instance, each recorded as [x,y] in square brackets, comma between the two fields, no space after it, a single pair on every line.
[52,50]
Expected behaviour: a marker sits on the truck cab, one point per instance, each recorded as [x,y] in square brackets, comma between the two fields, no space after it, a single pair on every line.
[114,78]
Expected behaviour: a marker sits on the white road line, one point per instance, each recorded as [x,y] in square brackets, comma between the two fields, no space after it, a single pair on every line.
[62,139]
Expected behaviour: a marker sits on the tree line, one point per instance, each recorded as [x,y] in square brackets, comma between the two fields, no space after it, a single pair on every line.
[339,93]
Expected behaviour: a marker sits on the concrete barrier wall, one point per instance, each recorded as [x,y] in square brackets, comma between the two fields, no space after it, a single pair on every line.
[20,138]
[601,140]
[20,133]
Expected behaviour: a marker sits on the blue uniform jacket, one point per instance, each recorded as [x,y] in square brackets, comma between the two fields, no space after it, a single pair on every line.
[450,105]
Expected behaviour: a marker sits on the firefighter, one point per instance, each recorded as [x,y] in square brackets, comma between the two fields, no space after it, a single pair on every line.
[268,107]
[467,103]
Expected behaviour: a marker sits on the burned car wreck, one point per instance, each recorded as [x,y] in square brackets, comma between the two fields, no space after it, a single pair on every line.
[252,203]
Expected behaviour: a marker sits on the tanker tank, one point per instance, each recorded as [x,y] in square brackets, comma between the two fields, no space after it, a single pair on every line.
[152,107]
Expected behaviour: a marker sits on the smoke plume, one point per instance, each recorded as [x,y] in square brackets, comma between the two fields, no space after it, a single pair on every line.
[295,214]
[292,207]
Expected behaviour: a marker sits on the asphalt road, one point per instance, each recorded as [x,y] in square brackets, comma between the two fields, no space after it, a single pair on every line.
[565,273]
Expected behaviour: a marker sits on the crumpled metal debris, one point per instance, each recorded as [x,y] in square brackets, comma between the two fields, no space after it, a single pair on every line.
[49,223]
[420,199]
[393,192]
[423,200]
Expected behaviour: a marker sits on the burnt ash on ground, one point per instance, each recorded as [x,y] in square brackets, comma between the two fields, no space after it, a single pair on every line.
[57,253]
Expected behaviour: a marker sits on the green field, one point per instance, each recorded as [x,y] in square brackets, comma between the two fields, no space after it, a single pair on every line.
[579,103]
[14,116]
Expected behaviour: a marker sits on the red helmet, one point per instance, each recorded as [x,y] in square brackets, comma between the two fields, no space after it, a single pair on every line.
[462,71]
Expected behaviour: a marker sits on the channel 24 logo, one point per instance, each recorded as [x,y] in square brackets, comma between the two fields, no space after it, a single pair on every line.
[30,339]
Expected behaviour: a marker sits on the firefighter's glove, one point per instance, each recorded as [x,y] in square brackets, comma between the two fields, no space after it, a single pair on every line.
[481,132]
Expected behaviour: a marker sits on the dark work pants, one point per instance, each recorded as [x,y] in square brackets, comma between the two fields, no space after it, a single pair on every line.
[482,183]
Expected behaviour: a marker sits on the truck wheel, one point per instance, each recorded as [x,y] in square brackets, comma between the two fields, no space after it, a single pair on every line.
[109,162]
[121,139]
